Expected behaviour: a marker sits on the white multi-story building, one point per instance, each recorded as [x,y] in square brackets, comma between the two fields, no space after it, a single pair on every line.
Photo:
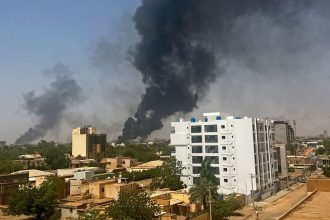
[240,150]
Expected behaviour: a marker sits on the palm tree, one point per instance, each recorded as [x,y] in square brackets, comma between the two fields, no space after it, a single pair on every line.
[207,182]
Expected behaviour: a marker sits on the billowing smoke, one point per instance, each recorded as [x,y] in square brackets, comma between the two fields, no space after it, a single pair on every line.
[180,51]
[49,107]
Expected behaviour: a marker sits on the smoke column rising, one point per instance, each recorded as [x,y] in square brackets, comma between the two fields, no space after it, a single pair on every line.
[180,50]
[49,107]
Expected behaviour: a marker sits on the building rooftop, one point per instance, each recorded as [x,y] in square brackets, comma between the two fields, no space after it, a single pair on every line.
[151,164]
[35,173]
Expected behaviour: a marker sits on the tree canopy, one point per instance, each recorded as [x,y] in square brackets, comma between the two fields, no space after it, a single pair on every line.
[206,184]
[225,208]
[30,200]
[133,204]
[168,175]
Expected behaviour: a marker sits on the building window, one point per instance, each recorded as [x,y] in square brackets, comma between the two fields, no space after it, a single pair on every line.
[103,190]
[224,158]
[196,139]
[211,149]
[224,148]
[197,159]
[225,169]
[214,160]
[196,170]
[233,158]
[197,149]
[223,126]
[223,137]
[217,181]
[210,128]
[234,180]
[225,180]
[211,138]
[196,129]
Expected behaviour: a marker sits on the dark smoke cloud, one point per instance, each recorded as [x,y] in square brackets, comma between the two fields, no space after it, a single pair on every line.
[181,43]
[49,107]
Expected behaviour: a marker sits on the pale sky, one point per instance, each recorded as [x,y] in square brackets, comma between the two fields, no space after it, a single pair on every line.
[92,38]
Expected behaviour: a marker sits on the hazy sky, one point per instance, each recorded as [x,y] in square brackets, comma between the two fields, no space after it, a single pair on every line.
[37,34]
[283,73]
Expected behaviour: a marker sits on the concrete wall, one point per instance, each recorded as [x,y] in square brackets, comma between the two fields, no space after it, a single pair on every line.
[281,134]
[321,184]
[244,155]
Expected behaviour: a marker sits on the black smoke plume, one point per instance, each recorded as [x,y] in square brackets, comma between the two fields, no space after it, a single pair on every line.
[178,48]
[49,106]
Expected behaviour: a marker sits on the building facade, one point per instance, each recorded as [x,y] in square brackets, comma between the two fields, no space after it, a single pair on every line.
[88,144]
[284,132]
[240,150]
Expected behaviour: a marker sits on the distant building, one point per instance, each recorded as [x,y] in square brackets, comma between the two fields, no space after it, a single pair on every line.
[240,150]
[284,132]
[87,144]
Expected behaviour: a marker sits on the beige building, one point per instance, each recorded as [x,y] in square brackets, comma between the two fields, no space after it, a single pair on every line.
[118,162]
[146,166]
[105,188]
[87,144]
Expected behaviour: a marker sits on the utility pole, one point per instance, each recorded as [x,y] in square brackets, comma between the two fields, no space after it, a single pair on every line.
[252,191]
[210,201]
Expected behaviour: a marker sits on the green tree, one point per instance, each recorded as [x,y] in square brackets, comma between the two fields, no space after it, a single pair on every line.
[93,215]
[326,171]
[133,204]
[30,200]
[55,158]
[168,175]
[225,208]
[206,184]
[8,166]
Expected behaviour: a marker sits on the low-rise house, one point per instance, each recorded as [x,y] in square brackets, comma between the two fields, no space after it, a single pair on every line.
[174,204]
[112,164]
[75,163]
[70,210]
[36,177]
[147,166]
[69,172]
[74,206]
[29,161]
[109,188]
